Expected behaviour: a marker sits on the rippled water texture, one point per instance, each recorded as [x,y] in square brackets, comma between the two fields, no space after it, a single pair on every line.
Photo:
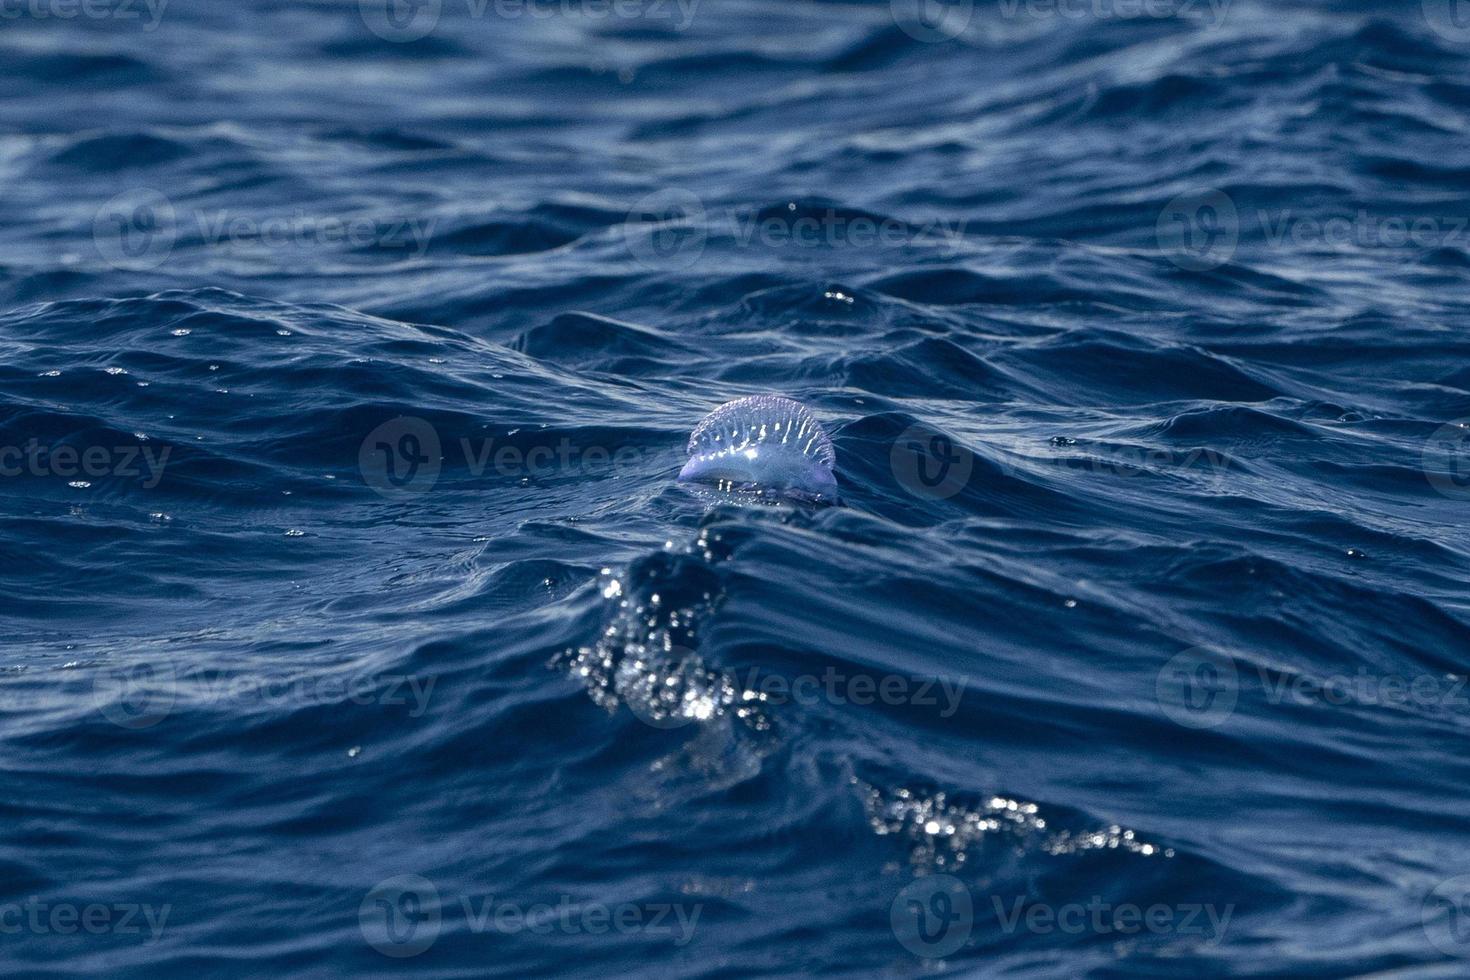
[355,621]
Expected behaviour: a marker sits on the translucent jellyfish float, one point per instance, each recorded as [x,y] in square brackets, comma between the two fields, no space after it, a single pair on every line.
[765,444]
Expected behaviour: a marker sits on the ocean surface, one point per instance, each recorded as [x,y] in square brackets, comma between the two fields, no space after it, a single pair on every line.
[354,622]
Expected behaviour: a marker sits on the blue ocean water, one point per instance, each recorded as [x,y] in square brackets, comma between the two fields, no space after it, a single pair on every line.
[354,622]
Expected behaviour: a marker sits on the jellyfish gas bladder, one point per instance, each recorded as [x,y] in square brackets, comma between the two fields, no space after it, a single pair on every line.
[764,443]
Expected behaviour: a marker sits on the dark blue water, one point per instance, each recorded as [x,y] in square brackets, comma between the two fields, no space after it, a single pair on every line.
[354,623]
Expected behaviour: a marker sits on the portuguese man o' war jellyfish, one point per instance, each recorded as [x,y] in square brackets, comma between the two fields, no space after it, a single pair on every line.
[763,443]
